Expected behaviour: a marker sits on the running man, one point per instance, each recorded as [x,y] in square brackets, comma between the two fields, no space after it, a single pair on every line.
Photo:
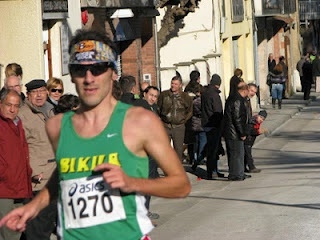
[102,156]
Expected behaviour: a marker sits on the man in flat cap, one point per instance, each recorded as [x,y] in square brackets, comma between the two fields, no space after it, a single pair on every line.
[34,114]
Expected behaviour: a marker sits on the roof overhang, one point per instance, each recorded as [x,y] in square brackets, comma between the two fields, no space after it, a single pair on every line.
[286,19]
[119,3]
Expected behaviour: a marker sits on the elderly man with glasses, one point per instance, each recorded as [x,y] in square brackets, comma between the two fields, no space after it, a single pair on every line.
[15,83]
[34,114]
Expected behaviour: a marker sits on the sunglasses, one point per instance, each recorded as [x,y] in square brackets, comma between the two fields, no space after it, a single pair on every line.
[96,69]
[56,90]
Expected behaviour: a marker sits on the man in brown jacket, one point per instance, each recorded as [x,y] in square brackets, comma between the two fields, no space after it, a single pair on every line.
[175,108]
[34,114]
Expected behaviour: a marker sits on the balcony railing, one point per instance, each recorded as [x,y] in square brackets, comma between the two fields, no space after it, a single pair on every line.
[274,7]
[309,10]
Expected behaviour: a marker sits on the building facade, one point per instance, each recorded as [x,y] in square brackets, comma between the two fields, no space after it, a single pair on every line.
[216,38]
[277,32]
[35,35]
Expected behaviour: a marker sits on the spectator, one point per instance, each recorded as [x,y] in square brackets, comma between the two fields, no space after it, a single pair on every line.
[200,135]
[34,114]
[299,69]
[151,94]
[254,130]
[271,62]
[175,108]
[235,132]
[143,87]
[15,170]
[251,93]
[67,102]
[13,69]
[316,71]
[55,89]
[128,88]
[282,61]
[307,79]
[235,80]
[271,65]
[194,81]
[277,80]
[211,119]
[189,136]
[14,82]
[313,55]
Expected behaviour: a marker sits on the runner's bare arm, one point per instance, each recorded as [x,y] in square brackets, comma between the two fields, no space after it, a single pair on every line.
[143,132]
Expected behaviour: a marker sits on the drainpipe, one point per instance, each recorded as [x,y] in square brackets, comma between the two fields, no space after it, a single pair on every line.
[157,52]
[255,47]
[256,59]
[1,66]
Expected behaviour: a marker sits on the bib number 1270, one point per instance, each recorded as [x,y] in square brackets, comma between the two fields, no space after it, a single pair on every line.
[84,211]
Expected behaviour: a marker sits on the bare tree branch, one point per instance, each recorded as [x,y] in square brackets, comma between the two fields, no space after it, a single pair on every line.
[175,10]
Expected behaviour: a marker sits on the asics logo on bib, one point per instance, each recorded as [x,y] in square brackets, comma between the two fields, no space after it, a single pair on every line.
[87,188]
[86,164]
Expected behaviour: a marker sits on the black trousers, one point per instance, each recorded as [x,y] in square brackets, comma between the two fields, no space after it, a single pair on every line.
[42,226]
[248,159]
[235,153]
[153,173]
[306,90]
[213,140]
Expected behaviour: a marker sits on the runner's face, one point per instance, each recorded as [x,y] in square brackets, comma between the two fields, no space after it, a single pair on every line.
[92,90]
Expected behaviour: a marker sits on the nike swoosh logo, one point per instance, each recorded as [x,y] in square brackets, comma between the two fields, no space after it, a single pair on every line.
[110,135]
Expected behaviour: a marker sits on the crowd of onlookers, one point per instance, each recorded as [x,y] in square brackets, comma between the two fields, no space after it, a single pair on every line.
[194,119]
[28,160]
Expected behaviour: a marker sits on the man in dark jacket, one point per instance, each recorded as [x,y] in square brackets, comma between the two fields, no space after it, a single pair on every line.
[150,95]
[175,108]
[307,78]
[316,72]
[129,89]
[211,119]
[235,132]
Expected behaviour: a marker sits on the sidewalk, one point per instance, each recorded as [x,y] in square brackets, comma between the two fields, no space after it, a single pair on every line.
[291,106]
[276,117]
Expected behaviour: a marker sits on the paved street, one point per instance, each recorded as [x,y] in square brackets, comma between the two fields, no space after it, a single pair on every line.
[281,202]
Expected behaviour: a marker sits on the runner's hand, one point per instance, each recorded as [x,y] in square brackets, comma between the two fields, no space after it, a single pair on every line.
[16,219]
[115,177]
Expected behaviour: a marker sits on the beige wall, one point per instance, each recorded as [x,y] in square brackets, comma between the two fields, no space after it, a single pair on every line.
[21,37]
[244,33]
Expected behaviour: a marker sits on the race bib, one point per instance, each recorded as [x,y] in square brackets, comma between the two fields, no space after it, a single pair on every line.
[90,201]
